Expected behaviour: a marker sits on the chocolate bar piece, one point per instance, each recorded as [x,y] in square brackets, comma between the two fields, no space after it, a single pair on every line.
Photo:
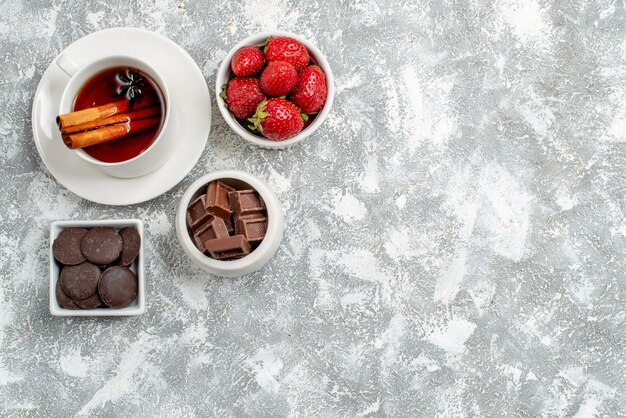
[197,214]
[252,227]
[246,202]
[217,199]
[215,228]
[229,247]
[230,225]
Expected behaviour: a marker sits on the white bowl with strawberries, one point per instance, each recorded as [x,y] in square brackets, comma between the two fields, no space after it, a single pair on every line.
[274,89]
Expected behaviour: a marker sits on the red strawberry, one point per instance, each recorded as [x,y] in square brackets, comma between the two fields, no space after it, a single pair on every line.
[278,78]
[247,61]
[242,96]
[311,91]
[277,119]
[281,48]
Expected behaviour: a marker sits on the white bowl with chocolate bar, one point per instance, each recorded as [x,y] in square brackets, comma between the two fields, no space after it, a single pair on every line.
[229,223]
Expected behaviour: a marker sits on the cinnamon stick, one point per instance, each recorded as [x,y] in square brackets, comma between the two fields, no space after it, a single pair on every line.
[108,133]
[113,120]
[104,111]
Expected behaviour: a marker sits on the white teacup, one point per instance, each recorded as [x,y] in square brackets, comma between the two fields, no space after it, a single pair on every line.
[162,147]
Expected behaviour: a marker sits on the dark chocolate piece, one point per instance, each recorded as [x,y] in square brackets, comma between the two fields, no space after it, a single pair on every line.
[229,247]
[101,246]
[118,287]
[216,228]
[66,247]
[92,302]
[252,227]
[64,300]
[246,202]
[217,199]
[80,281]
[197,214]
[131,245]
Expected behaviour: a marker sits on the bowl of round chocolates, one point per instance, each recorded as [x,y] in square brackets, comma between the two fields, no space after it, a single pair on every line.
[96,268]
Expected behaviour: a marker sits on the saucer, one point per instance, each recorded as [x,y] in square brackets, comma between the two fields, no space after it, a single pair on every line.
[191,108]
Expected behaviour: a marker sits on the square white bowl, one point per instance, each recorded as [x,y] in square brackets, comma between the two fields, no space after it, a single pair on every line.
[137,307]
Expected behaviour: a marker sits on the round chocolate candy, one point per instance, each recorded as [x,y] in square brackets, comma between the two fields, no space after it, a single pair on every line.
[64,300]
[91,302]
[101,245]
[66,247]
[130,249]
[118,287]
[80,281]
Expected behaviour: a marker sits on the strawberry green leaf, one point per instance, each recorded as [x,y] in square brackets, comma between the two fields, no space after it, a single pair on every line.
[259,115]
[304,116]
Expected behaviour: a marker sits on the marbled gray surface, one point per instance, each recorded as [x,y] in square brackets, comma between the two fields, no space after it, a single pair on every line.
[455,232]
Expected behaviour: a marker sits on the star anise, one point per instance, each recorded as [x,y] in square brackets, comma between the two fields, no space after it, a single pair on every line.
[130,85]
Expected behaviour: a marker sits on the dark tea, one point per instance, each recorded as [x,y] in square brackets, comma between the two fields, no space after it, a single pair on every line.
[144,98]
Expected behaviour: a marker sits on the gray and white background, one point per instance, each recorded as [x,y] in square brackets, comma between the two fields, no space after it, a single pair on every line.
[455,232]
